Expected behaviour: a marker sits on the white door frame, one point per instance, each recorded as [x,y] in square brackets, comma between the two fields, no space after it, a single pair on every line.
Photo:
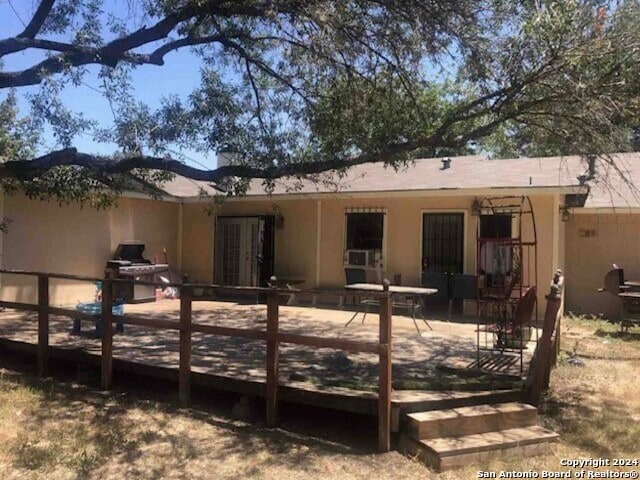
[246,274]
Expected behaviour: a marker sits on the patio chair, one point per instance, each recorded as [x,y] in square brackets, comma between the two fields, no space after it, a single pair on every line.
[503,293]
[522,316]
[513,328]
[353,275]
[437,280]
[463,287]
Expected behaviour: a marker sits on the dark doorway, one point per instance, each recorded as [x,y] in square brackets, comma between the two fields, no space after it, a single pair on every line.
[443,242]
[442,255]
[267,255]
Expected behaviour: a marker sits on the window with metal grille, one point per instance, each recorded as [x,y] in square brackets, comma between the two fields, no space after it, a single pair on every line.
[365,231]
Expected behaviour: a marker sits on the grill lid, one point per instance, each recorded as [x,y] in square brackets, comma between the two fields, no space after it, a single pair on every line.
[118,263]
[131,251]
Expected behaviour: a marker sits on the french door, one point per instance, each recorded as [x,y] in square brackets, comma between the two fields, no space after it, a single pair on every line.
[238,250]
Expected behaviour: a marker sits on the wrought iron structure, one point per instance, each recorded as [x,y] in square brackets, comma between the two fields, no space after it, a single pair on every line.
[507,270]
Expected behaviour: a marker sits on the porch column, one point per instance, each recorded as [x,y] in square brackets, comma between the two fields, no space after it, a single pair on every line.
[318,239]
[179,240]
[555,236]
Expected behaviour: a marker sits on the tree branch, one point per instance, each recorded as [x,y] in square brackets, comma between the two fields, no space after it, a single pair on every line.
[256,94]
[157,56]
[17,44]
[77,56]
[34,26]
[247,57]
[25,170]
[121,49]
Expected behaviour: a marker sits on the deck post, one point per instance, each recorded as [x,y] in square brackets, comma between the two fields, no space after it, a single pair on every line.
[184,373]
[558,336]
[384,386]
[43,325]
[272,356]
[107,332]
[546,350]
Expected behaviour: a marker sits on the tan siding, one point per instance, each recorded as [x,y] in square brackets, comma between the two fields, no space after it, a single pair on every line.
[44,236]
[590,258]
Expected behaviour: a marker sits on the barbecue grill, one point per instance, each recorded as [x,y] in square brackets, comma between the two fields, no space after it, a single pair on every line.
[629,293]
[128,262]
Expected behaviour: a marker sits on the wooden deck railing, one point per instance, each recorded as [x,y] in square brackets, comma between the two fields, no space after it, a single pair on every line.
[185,326]
[547,349]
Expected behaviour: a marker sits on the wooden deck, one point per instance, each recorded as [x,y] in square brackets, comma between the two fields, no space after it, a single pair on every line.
[317,376]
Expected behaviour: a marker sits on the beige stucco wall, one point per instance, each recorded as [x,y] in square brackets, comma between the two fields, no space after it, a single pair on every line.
[44,236]
[403,235]
[403,242]
[197,243]
[295,244]
[590,258]
[48,237]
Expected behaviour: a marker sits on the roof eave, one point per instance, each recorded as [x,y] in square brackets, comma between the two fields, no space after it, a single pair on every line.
[441,192]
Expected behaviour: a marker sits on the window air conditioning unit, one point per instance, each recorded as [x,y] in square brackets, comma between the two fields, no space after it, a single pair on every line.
[363,258]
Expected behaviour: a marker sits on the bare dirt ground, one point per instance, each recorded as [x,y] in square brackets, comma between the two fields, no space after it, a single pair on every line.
[56,428]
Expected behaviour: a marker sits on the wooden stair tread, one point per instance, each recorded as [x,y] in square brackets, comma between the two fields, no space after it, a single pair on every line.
[470,411]
[502,439]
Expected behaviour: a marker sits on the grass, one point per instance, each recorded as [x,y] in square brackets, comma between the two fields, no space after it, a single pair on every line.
[57,429]
[595,408]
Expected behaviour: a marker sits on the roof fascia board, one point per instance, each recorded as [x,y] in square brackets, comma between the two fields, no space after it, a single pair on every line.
[146,196]
[445,192]
[603,210]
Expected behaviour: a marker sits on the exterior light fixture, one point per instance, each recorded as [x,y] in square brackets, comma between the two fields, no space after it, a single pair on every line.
[475,208]
[278,217]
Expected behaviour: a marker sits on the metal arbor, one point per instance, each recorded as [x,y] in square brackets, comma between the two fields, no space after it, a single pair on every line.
[507,270]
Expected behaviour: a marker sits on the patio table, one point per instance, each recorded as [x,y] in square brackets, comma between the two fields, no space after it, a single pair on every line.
[414,293]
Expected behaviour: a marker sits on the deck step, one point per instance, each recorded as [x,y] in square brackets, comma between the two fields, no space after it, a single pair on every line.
[470,420]
[410,401]
[452,452]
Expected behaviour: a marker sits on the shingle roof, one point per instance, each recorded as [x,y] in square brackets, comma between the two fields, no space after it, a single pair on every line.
[611,188]
[186,188]
[616,186]
[470,172]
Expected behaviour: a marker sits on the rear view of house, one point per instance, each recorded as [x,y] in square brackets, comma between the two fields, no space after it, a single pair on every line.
[394,224]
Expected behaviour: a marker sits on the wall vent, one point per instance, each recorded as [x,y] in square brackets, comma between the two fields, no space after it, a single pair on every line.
[588,232]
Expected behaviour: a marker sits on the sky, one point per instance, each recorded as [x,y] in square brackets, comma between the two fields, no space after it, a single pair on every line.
[180,75]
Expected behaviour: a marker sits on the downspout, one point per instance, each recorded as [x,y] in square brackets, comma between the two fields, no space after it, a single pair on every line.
[318,240]
[179,239]
[555,237]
